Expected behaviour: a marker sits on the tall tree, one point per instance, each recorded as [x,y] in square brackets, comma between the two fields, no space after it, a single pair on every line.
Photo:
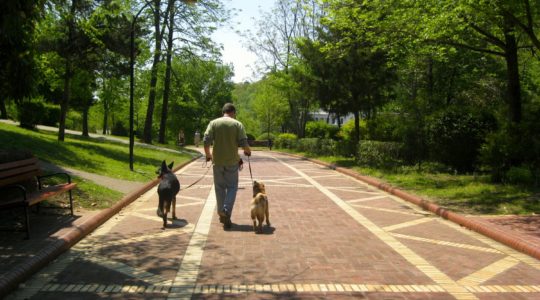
[16,55]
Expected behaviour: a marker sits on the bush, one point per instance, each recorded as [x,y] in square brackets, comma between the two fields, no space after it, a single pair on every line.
[119,129]
[519,175]
[455,137]
[317,146]
[380,154]
[51,116]
[286,141]
[321,130]
[30,113]
[265,136]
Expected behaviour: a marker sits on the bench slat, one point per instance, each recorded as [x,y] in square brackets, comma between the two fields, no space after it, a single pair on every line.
[19,163]
[48,192]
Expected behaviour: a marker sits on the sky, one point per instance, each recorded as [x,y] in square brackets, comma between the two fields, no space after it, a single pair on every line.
[235,51]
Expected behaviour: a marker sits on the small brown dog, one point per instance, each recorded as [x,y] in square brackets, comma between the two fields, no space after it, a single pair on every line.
[259,206]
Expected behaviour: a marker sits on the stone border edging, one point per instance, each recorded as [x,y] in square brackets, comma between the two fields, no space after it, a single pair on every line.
[41,258]
[514,242]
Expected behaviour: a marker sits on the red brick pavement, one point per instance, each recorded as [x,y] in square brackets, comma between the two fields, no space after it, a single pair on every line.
[331,236]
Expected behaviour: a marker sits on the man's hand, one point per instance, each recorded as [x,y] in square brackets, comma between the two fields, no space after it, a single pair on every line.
[209,157]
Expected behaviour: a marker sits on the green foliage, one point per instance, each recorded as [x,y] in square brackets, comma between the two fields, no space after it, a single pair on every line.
[316,146]
[119,129]
[266,136]
[380,154]
[455,137]
[519,175]
[286,141]
[30,112]
[51,114]
[321,129]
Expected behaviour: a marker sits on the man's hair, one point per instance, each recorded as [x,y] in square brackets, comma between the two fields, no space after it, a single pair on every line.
[228,108]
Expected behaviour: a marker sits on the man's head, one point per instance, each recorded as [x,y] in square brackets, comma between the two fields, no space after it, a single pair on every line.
[229,109]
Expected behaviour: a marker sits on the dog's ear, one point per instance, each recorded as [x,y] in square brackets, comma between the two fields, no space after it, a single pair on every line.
[163,165]
[171,165]
[255,182]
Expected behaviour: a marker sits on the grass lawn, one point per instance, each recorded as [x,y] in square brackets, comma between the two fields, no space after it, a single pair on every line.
[90,155]
[467,194]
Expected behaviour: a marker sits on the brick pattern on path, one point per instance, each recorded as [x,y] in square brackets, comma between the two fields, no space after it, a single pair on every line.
[331,236]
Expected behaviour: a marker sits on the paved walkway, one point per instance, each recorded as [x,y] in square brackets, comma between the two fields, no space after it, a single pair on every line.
[331,237]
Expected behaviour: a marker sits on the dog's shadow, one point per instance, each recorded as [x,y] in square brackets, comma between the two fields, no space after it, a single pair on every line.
[176,223]
[249,228]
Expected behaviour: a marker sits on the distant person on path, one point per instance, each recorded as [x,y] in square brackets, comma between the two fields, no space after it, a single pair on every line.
[197,138]
[227,134]
[181,138]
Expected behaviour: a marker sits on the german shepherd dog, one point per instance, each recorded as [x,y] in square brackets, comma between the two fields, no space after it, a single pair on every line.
[259,206]
[167,189]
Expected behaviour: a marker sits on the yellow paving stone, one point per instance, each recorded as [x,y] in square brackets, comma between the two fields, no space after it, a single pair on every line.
[282,287]
[291,288]
[78,287]
[523,288]
[69,288]
[392,288]
[242,288]
[110,287]
[402,288]
[267,288]
[212,289]
[339,288]
[117,288]
[307,287]
[536,287]
[323,288]
[234,289]
[299,287]
[347,287]
[315,288]
[331,287]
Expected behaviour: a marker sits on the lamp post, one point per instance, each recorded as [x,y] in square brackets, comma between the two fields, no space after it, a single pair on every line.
[132,77]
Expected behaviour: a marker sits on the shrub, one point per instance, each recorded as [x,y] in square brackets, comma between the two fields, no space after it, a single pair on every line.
[317,146]
[119,129]
[519,175]
[265,136]
[379,154]
[286,141]
[455,137]
[30,113]
[51,115]
[321,130]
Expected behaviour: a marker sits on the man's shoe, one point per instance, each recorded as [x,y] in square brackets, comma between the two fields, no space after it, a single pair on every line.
[227,224]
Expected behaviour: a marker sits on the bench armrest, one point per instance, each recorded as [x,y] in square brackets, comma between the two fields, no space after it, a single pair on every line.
[39,178]
[19,187]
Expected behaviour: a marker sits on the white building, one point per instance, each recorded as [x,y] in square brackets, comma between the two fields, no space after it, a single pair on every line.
[330,118]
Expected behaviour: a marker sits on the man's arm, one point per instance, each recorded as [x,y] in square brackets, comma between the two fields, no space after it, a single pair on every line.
[207,153]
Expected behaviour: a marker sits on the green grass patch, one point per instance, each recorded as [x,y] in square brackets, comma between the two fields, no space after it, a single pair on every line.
[98,156]
[467,194]
[92,155]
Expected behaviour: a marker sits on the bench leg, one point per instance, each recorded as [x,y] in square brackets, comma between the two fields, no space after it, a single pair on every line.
[71,202]
[27,222]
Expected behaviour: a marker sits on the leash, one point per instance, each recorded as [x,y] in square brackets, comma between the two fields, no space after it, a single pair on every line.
[204,165]
[250,174]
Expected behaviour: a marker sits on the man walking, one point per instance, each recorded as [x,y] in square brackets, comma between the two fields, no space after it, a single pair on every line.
[227,134]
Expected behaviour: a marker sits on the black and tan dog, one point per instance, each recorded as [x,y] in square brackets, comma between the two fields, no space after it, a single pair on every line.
[259,206]
[167,189]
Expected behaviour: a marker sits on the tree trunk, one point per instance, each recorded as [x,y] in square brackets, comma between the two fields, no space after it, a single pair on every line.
[65,100]
[105,116]
[3,110]
[167,83]
[66,95]
[512,72]
[356,127]
[85,122]
[147,134]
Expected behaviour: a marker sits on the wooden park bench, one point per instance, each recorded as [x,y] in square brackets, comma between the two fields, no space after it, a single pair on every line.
[22,186]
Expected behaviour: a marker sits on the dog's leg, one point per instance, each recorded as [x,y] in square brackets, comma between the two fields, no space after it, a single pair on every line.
[261,220]
[174,208]
[267,213]
[254,218]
